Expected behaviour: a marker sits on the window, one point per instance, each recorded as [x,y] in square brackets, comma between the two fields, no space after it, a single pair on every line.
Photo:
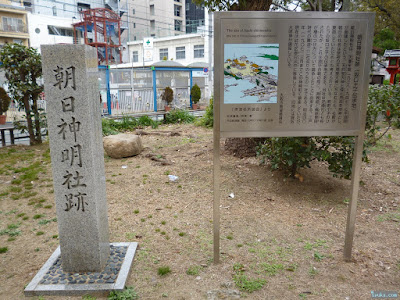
[198,51]
[393,62]
[53,30]
[177,0]
[152,24]
[13,24]
[178,25]
[134,25]
[180,52]
[133,11]
[54,11]
[177,10]
[134,38]
[83,6]
[135,56]
[152,10]
[153,35]
[164,54]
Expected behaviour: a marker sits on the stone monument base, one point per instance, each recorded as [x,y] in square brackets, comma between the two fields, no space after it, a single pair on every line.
[52,280]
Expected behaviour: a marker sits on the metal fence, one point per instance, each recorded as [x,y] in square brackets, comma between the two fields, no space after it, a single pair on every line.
[130,90]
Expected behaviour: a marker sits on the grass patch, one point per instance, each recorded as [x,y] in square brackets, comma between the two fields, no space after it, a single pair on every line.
[312,271]
[389,217]
[15,189]
[271,269]
[162,271]
[193,270]
[44,221]
[128,293]
[16,181]
[38,216]
[16,197]
[317,244]
[247,284]
[3,249]
[39,233]
[12,230]
[179,116]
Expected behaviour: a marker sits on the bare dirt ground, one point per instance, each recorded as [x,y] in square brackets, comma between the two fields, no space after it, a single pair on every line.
[278,231]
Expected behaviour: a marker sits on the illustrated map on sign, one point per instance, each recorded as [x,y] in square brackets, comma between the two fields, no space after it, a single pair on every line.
[250,73]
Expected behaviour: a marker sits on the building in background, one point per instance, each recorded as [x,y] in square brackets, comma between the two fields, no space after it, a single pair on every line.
[13,28]
[52,21]
[195,16]
[183,49]
[45,29]
[155,18]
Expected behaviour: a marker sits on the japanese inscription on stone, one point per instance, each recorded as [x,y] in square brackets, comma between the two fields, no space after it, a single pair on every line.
[71,156]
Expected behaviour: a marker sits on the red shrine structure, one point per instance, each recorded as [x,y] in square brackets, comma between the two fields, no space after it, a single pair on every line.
[393,67]
[101,28]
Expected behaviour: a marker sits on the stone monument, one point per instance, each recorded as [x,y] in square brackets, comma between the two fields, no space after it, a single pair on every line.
[74,122]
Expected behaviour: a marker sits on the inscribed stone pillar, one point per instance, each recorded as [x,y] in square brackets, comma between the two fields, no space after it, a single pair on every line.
[73,114]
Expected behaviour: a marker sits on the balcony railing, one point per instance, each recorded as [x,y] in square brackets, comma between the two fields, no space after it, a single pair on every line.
[10,28]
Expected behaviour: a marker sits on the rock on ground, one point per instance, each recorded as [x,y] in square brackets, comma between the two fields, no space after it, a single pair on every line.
[223,294]
[122,145]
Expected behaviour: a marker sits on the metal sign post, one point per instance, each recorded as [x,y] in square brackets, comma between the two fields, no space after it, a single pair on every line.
[291,75]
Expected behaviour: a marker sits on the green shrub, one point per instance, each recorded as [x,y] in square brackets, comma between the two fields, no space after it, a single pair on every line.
[292,153]
[168,95]
[147,121]
[178,116]
[208,119]
[4,101]
[195,92]
[111,126]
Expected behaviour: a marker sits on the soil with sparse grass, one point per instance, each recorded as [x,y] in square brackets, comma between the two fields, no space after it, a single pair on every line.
[280,238]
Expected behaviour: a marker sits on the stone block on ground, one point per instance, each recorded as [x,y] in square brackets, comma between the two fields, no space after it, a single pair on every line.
[122,145]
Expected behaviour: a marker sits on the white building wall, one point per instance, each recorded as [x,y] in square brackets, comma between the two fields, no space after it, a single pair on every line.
[171,43]
[64,8]
[39,32]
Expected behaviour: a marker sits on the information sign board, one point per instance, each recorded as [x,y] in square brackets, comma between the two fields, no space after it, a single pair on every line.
[291,74]
[287,75]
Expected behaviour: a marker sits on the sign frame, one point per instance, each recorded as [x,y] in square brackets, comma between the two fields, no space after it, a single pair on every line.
[366,19]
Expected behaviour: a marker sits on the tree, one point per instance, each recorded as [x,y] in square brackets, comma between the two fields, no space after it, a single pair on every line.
[23,68]
[311,5]
[385,39]
[387,14]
